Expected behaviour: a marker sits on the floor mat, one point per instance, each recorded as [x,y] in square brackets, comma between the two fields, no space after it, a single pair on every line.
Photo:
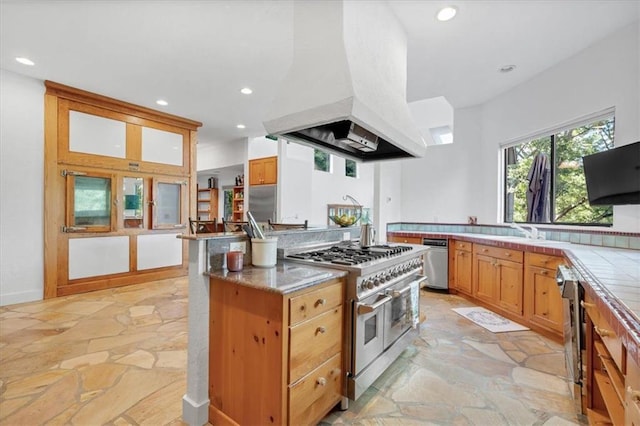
[489,320]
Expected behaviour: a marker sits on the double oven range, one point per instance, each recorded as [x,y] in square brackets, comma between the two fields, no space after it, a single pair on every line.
[380,318]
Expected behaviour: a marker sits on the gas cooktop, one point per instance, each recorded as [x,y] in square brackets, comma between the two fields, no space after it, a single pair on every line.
[351,254]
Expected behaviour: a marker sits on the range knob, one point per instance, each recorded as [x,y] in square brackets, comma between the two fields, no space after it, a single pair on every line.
[377,281]
[369,284]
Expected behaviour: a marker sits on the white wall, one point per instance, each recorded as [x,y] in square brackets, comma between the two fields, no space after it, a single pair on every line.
[262,147]
[219,155]
[455,181]
[388,196]
[21,188]
[437,188]
[308,191]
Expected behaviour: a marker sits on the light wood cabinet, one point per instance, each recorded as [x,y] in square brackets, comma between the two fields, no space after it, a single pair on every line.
[207,203]
[485,278]
[605,379]
[460,266]
[275,359]
[510,295]
[543,300]
[632,394]
[263,171]
[405,240]
[497,277]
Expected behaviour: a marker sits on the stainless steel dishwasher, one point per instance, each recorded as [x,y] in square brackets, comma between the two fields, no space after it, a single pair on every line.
[436,262]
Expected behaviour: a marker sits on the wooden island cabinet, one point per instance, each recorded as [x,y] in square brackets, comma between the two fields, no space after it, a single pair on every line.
[275,358]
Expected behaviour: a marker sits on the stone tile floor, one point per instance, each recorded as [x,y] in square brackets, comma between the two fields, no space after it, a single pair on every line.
[118,357]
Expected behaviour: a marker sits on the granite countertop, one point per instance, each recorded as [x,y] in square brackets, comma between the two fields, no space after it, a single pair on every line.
[285,277]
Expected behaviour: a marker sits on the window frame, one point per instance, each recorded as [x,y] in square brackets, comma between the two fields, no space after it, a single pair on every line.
[70,217]
[329,161]
[550,133]
[355,165]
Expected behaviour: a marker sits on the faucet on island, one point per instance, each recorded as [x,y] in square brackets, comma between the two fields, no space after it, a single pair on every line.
[533,234]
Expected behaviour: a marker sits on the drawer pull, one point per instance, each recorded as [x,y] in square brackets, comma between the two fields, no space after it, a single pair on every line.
[587,305]
[485,250]
[544,272]
[321,381]
[508,254]
[602,332]
[320,329]
[321,302]
[634,395]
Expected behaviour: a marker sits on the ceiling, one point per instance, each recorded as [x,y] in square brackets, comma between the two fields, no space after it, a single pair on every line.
[197,55]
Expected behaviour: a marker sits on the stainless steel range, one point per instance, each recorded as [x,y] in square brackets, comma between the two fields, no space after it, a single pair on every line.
[381,320]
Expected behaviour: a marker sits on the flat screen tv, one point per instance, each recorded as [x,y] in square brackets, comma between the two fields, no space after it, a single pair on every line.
[613,176]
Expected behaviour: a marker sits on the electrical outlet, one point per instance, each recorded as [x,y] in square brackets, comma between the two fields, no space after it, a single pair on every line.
[238,246]
[346,236]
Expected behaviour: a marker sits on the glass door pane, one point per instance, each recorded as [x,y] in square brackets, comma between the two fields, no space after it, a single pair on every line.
[133,210]
[89,201]
[169,204]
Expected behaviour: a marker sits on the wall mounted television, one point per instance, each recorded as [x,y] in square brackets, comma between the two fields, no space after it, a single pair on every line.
[613,176]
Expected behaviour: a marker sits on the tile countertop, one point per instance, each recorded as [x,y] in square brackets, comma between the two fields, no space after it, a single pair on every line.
[611,275]
[284,278]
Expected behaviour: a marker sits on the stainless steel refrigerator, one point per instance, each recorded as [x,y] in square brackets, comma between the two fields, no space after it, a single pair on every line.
[262,202]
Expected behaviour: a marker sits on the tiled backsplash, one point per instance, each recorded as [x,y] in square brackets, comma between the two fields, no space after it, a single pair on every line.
[594,238]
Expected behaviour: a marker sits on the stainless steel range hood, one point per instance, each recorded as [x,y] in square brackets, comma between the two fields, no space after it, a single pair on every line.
[346,89]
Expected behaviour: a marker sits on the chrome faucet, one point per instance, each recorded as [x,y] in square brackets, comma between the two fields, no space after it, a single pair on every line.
[533,234]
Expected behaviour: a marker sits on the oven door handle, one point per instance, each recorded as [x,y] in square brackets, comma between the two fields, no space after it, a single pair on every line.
[397,293]
[366,309]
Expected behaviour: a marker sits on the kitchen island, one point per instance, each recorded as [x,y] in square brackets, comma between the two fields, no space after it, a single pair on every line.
[276,344]
[205,254]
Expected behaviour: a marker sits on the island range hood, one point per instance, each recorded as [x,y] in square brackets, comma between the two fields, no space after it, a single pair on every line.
[345,92]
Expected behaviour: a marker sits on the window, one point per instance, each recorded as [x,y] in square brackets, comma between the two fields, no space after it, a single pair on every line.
[89,197]
[350,168]
[168,205]
[321,160]
[561,195]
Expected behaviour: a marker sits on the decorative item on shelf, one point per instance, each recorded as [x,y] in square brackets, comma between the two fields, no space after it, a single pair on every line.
[345,214]
[240,180]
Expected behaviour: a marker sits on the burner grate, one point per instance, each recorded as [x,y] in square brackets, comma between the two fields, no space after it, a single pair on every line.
[350,255]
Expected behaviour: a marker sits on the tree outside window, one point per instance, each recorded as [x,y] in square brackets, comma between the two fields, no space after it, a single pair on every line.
[322,160]
[567,196]
[350,168]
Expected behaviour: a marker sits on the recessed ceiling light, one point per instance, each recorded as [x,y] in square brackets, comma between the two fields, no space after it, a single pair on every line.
[162,102]
[507,68]
[25,61]
[446,13]
[241,126]
[246,91]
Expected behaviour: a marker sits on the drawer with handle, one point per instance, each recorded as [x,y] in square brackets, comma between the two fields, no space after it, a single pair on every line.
[498,252]
[314,303]
[314,394]
[462,245]
[543,260]
[313,341]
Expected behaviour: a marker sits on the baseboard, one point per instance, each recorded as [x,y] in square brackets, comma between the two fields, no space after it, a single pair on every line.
[20,297]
